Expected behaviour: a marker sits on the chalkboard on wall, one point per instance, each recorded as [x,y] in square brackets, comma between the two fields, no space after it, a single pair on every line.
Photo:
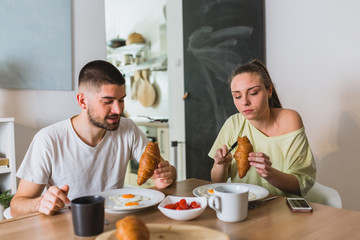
[35,44]
[219,35]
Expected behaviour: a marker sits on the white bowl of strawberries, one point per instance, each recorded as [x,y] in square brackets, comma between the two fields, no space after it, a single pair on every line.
[182,208]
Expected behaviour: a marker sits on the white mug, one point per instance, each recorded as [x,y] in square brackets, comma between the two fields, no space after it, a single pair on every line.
[230,202]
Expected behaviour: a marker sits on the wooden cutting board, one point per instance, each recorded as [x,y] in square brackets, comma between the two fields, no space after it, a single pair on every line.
[146,93]
[174,232]
[135,85]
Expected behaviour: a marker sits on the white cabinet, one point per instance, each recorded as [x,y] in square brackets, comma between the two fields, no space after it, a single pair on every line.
[7,152]
[163,141]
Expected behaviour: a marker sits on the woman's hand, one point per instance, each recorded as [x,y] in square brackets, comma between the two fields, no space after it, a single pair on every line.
[261,162]
[283,181]
[220,157]
[220,169]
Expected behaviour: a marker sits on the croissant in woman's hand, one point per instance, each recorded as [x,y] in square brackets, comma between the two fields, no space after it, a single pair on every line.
[149,161]
[241,155]
[131,228]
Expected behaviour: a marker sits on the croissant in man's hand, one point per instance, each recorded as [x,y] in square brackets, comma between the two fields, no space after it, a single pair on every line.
[149,161]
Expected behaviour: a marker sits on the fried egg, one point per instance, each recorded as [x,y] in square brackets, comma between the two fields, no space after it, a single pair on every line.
[128,200]
[252,196]
[206,192]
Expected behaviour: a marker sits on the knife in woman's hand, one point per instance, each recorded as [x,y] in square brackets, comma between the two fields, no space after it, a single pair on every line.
[232,147]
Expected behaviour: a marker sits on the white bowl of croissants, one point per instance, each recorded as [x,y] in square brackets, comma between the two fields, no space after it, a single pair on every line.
[182,208]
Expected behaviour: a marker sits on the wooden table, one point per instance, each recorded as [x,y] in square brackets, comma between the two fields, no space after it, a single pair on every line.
[270,220]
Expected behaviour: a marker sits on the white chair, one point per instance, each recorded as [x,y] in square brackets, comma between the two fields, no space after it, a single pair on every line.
[324,195]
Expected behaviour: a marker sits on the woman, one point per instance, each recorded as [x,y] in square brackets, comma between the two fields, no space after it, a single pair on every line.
[282,161]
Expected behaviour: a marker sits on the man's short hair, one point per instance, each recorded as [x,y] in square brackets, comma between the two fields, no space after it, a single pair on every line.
[98,73]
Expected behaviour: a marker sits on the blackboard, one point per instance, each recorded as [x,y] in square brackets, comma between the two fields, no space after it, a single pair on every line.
[219,35]
[35,44]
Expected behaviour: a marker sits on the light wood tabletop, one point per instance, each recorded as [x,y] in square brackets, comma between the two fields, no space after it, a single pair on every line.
[270,220]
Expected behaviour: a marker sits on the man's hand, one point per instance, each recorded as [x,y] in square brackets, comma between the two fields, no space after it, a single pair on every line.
[164,175]
[54,199]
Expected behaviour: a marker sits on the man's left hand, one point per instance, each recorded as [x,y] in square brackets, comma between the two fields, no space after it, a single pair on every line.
[164,175]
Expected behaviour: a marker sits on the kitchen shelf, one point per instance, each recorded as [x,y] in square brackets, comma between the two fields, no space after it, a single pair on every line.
[154,64]
[133,49]
[137,49]
[5,170]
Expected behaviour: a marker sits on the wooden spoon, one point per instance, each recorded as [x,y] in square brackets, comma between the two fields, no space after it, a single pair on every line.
[146,93]
[135,84]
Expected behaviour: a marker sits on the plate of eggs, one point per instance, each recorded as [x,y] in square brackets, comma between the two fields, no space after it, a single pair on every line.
[255,192]
[130,199]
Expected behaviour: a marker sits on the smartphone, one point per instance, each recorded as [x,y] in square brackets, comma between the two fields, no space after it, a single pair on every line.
[298,205]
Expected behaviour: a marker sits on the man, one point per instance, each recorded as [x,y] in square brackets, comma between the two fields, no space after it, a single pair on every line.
[86,154]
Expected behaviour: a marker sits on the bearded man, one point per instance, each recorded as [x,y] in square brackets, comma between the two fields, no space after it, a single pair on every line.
[87,153]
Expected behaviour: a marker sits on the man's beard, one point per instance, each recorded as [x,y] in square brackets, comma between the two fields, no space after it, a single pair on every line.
[102,123]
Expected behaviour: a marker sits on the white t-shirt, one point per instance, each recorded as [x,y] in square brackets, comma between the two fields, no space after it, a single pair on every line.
[57,156]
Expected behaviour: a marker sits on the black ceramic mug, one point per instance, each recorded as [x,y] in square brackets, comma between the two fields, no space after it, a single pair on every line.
[88,215]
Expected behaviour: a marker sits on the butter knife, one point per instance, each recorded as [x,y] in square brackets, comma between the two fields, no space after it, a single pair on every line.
[232,147]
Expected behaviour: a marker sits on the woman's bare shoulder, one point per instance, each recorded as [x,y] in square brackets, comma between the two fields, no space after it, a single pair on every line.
[289,120]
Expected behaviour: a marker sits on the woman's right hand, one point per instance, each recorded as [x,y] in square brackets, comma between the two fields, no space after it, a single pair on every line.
[220,170]
[220,157]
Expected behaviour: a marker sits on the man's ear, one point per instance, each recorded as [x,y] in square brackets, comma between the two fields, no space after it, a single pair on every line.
[81,99]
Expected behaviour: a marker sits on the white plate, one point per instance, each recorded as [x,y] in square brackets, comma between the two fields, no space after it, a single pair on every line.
[7,213]
[110,205]
[255,192]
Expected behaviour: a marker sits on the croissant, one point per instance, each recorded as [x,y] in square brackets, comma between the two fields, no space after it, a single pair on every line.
[241,155]
[131,228]
[149,161]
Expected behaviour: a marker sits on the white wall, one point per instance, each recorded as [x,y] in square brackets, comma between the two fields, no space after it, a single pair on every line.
[124,17]
[313,55]
[34,109]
